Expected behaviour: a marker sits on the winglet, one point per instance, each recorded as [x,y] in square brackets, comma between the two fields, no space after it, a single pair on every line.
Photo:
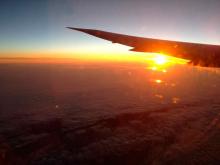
[72,28]
[92,32]
[79,29]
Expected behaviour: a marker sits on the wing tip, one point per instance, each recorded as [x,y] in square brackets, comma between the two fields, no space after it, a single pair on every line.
[77,29]
[72,28]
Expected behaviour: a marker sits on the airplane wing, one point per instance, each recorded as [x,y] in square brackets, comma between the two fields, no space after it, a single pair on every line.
[199,54]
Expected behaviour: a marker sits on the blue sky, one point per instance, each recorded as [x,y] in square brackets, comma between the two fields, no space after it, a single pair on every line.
[39,26]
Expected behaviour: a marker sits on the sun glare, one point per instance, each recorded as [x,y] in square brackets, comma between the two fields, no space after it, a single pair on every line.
[158,81]
[160,60]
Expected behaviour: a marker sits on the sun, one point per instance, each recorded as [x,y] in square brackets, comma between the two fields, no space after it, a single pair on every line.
[160,60]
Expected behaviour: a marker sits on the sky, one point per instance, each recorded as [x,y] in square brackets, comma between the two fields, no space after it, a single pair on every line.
[38,27]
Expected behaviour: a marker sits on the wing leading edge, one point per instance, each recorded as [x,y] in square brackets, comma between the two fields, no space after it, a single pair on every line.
[199,54]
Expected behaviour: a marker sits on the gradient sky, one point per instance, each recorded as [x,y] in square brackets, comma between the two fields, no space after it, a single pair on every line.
[39,26]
